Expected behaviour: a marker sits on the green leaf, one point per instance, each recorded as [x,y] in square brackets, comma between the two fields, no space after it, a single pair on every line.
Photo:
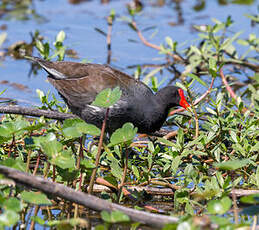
[13,127]
[252,17]
[243,42]
[232,164]
[38,220]
[51,148]
[67,224]
[35,198]
[234,136]
[151,74]
[219,220]
[14,163]
[193,76]
[169,41]
[165,141]
[184,226]
[9,218]
[135,171]
[211,111]
[116,170]
[195,50]
[219,206]
[71,132]
[118,216]
[181,86]
[88,129]
[213,64]
[243,2]
[107,97]
[61,36]
[250,199]
[123,135]
[114,217]
[40,46]
[13,204]
[88,164]
[63,159]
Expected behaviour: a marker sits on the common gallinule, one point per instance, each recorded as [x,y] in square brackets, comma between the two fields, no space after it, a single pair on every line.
[78,84]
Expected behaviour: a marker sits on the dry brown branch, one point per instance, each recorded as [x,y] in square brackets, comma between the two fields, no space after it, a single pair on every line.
[235,208]
[177,57]
[167,191]
[36,112]
[171,135]
[145,42]
[89,201]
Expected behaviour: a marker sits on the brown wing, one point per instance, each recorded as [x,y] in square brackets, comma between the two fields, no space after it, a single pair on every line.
[82,89]
[79,83]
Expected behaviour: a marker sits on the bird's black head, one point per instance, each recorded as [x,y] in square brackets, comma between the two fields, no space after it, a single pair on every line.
[172,96]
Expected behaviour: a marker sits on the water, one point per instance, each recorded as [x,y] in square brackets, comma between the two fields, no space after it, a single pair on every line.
[79,23]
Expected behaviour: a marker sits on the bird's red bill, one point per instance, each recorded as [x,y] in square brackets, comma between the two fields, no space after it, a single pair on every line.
[183,101]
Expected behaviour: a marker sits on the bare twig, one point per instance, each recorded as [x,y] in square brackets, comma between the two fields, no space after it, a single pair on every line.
[36,210]
[28,160]
[124,173]
[229,89]
[80,157]
[36,165]
[98,155]
[235,208]
[108,39]
[145,42]
[254,223]
[36,112]
[90,201]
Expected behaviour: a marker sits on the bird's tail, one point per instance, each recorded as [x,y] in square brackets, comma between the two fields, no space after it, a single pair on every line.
[47,66]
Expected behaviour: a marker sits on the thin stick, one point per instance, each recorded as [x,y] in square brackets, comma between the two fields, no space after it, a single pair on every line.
[145,42]
[108,39]
[36,210]
[124,173]
[234,198]
[81,156]
[28,160]
[196,124]
[54,173]
[36,165]
[36,112]
[98,155]
[229,89]
[254,223]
